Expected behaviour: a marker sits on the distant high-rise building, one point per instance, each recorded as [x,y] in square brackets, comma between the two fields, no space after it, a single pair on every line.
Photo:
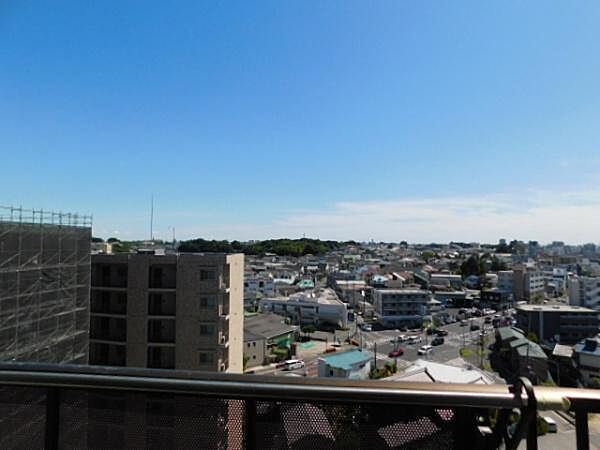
[44,286]
[180,311]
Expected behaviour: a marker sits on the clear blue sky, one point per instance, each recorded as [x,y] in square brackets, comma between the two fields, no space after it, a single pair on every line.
[339,119]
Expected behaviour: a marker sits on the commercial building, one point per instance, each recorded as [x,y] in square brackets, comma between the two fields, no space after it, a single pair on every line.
[558,323]
[496,299]
[399,307]
[353,364]
[44,286]
[528,283]
[446,280]
[584,291]
[318,307]
[179,311]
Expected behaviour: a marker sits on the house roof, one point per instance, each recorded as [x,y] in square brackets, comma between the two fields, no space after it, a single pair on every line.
[529,349]
[507,333]
[265,326]
[432,372]
[346,360]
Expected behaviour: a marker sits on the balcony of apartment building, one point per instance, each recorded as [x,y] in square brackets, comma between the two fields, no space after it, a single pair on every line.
[162,277]
[105,328]
[108,302]
[161,304]
[59,406]
[161,331]
[109,276]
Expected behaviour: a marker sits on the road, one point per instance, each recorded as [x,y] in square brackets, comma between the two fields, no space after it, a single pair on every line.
[458,337]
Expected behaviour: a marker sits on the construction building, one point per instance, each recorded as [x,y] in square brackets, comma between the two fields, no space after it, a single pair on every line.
[173,311]
[44,286]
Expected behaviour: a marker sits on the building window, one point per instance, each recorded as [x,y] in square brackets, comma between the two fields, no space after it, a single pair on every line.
[205,357]
[207,302]
[207,329]
[207,275]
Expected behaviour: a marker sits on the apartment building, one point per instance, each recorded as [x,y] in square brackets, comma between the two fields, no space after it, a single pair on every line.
[563,323]
[528,283]
[584,291]
[319,307]
[177,311]
[399,307]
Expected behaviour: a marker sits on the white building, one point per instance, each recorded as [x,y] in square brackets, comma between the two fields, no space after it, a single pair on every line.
[556,281]
[258,287]
[320,306]
[398,307]
[584,291]
[528,282]
[353,364]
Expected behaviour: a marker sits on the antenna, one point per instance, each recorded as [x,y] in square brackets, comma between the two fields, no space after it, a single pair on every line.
[152,218]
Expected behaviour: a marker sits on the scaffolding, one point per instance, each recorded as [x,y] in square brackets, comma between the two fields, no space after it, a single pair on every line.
[44,285]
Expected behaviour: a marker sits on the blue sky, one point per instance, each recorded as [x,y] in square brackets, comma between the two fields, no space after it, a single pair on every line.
[340,119]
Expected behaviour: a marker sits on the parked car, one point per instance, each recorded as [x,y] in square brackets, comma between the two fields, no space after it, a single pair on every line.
[488,319]
[396,353]
[414,340]
[366,327]
[441,333]
[463,323]
[474,327]
[437,341]
[425,350]
[293,364]
[430,331]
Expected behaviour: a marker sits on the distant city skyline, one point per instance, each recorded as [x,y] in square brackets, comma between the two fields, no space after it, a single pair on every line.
[425,122]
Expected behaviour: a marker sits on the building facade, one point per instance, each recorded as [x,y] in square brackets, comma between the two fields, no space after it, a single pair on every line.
[563,323]
[180,311]
[529,283]
[400,307]
[584,291]
[318,307]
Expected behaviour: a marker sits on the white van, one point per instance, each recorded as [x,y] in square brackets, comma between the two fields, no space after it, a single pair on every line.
[293,364]
[425,350]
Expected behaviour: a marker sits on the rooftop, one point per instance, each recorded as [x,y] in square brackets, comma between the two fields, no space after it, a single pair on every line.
[553,308]
[432,372]
[265,326]
[346,360]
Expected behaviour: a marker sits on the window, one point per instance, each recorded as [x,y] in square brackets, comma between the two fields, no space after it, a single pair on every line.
[207,275]
[205,358]
[207,329]
[207,302]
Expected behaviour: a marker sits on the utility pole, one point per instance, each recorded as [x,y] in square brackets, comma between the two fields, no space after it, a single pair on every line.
[375,353]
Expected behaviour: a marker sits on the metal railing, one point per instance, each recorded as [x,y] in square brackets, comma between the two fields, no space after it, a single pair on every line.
[52,406]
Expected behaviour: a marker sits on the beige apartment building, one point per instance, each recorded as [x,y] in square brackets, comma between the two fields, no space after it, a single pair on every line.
[175,311]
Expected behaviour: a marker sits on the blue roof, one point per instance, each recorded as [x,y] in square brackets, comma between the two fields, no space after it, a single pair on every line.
[347,359]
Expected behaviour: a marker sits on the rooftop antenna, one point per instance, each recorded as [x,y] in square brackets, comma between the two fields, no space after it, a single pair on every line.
[152,218]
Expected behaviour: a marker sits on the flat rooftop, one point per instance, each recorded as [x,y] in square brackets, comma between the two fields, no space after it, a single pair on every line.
[554,308]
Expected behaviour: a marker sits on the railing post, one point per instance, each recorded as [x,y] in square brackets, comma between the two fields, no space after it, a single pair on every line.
[463,428]
[582,430]
[250,422]
[52,419]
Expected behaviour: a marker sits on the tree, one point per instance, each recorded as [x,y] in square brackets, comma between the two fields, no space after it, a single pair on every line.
[308,329]
[470,267]
[97,239]
[110,240]
[532,337]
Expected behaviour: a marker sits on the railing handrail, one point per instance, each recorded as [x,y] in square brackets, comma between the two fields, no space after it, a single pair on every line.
[287,388]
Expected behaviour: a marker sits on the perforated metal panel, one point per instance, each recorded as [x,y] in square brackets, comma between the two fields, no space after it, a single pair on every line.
[22,418]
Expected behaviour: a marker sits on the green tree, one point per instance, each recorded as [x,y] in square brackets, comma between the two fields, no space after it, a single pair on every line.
[532,337]
[97,239]
[110,240]
[308,329]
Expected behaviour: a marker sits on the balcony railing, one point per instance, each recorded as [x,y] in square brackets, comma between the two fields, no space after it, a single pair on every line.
[51,406]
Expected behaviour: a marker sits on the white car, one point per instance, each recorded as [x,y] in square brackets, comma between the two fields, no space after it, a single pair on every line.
[293,364]
[366,327]
[413,340]
[425,350]
[551,424]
